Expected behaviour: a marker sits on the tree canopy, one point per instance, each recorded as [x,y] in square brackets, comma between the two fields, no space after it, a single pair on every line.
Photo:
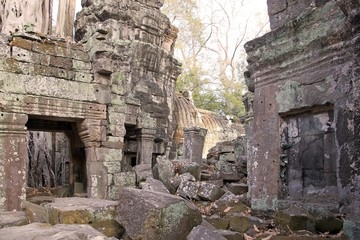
[210,46]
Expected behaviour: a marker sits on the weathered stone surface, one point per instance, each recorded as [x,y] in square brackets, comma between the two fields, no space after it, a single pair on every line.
[184,166]
[10,219]
[99,214]
[83,82]
[328,223]
[125,179]
[143,172]
[165,169]
[228,171]
[227,200]
[201,232]
[154,185]
[294,95]
[209,192]
[154,215]
[229,235]
[175,182]
[218,222]
[237,188]
[241,222]
[34,212]
[189,190]
[46,231]
[295,219]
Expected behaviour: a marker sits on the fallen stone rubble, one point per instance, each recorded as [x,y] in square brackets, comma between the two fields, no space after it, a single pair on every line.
[174,200]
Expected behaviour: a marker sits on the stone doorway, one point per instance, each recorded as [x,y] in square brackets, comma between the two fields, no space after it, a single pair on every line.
[309,160]
[131,145]
[56,159]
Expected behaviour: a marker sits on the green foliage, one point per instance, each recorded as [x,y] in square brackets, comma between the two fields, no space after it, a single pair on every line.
[214,84]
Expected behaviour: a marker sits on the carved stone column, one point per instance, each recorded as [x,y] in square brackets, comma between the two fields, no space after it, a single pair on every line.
[146,138]
[13,157]
[194,138]
[92,133]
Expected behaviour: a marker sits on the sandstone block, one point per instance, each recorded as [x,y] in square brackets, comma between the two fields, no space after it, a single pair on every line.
[97,213]
[154,185]
[242,223]
[228,171]
[201,232]
[154,215]
[83,77]
[143,172]
[187,166]
[165,169]
[46,231]
[61,62]
[10,219]
[175,182]
[125,179]
[237,188]
[189,190]
[328,223]
[229,235]
[210,192]
[218,222]
[34,212]
[294,219]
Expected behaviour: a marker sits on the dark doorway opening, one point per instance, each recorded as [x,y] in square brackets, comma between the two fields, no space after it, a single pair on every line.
[130,145]
[56,162]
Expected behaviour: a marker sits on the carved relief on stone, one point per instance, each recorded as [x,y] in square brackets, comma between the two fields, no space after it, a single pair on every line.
[91,132]
[170,38]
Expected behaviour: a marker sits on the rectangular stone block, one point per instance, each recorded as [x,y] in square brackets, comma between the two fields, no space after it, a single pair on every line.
[113,167]
[83,77]
[44,48]
[21,43]
[48,71]
[20,54]
[113,142]
[125,179]
[108,154]
[61,62]
[11,65]
[81,65]
[116,130]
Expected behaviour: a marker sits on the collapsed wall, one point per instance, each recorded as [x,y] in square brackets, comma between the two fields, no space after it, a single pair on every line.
[305,73]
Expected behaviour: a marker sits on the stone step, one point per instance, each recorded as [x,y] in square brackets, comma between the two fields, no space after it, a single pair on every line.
[46,231]
[99,214]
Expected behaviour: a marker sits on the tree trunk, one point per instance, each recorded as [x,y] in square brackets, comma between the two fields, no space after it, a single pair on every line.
[19,14]
[65,18]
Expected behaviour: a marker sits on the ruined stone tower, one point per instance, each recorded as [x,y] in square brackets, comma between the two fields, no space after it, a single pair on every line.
[114,89]
[306,77]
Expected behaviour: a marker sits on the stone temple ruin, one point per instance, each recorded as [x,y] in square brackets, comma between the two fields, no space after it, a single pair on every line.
[107,109]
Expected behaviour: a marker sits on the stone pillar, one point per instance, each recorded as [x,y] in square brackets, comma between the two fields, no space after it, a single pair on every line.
[13,156]
[194,138]
[146,138]
[92,133]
